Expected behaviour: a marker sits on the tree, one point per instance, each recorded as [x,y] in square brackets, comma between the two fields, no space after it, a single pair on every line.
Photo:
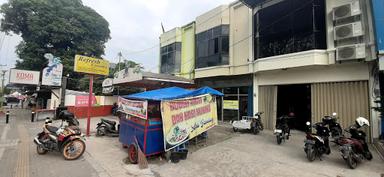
[61,27]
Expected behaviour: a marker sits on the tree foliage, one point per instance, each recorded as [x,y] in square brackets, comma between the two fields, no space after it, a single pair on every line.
[61,27]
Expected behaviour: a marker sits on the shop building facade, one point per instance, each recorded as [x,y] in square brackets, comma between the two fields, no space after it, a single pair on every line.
[303,58]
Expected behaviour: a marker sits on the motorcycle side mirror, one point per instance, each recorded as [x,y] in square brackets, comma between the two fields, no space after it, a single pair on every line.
[334,114]
[308,123]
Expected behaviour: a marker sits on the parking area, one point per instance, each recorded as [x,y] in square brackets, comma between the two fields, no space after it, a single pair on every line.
[233,154]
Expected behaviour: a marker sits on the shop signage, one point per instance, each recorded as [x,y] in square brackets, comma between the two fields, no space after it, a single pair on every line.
[184,119]
[53,73]
[107,85]
[133,107]
[231,104]
[18,76]
[128,75]
[91,65]
[82,101]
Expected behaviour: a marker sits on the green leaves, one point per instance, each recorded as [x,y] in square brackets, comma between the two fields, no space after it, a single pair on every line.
[61,27]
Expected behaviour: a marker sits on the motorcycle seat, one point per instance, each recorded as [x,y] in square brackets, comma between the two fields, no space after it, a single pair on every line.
[108,121]
[52,129]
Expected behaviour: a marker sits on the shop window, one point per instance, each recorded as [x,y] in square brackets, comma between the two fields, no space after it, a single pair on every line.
[170,58]
[212,47]
[290,26]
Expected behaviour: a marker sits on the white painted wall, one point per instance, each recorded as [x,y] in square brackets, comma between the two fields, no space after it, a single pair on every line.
[171,36]
[212,18]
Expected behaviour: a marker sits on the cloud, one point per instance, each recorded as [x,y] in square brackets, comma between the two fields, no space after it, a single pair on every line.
[135,25]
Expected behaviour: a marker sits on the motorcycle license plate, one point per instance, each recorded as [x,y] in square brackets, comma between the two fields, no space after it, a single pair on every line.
[278,131]
[309,141]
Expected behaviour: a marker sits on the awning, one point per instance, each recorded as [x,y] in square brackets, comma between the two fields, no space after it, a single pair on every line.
[171,93]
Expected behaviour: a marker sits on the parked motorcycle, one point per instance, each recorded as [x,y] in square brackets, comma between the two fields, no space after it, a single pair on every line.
[317,144]
[108,128]
[282,130]
[333,125]
[257,125]
[67,138]
[355,148]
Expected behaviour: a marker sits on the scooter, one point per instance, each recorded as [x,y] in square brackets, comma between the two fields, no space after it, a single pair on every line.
[108,128]
[333,125]
[67,138]
[355,148]
[282,130]
[317,144]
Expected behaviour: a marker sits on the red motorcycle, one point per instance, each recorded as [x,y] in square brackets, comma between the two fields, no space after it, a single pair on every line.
[355,148]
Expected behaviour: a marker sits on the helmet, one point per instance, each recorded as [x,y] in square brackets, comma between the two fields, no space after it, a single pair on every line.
[361,121]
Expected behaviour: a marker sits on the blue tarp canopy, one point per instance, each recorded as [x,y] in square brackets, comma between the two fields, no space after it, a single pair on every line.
[171,93]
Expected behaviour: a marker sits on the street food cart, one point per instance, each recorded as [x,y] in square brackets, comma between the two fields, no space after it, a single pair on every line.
[160,120]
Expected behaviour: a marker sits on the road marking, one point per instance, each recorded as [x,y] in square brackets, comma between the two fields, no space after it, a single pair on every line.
[8,143]
[2,138]
[22,164]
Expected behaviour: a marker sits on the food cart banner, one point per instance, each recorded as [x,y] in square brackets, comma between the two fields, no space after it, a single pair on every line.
[133,107]
[184,119]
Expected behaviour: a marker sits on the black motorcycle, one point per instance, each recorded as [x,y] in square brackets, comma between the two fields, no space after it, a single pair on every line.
[282,130]
[257,125]
[317,144]
[333,125]
[108,128]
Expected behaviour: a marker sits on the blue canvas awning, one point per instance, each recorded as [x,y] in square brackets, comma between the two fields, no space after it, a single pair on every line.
[171,93]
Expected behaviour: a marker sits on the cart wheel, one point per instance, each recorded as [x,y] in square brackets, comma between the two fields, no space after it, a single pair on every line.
[132,153]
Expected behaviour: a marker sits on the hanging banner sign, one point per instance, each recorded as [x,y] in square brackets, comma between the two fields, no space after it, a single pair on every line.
[90,65]
[231,104]
[17,76]
[53,73]
[184,119]
[82,100]
[133,107]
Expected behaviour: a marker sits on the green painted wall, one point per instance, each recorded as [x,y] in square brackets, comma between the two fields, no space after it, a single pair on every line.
[188,51]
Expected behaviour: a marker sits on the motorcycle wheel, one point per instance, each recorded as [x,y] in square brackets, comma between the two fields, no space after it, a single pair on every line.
[310,150]
[368,155]
[255,130]
[40,150]
[73,149]
[278,139]
[261,127]
[351,161]
[101,131]
[235,129]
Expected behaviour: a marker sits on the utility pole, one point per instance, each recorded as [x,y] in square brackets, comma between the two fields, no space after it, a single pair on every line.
[2,86]
[120,55]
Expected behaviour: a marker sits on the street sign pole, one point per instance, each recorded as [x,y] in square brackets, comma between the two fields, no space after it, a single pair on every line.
[89,103]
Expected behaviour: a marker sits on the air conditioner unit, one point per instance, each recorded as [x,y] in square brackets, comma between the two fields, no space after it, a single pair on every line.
[350,52]
[348,30]
[346,10]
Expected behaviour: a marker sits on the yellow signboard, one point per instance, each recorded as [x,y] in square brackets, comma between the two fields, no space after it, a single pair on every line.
[184,119]
[91,65]
[231,104]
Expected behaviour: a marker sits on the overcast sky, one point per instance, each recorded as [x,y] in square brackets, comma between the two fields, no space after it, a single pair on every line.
[135,25]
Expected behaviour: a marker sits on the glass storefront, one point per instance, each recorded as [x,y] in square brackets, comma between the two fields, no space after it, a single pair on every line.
[237,102]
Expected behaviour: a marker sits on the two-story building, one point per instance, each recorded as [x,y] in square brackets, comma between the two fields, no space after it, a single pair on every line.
[306,58]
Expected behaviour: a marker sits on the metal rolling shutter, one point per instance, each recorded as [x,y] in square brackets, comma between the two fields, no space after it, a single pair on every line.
[348,99]
[267,103]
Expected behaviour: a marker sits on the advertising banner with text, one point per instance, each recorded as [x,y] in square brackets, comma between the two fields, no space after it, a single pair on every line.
[133,107]
[184,119]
